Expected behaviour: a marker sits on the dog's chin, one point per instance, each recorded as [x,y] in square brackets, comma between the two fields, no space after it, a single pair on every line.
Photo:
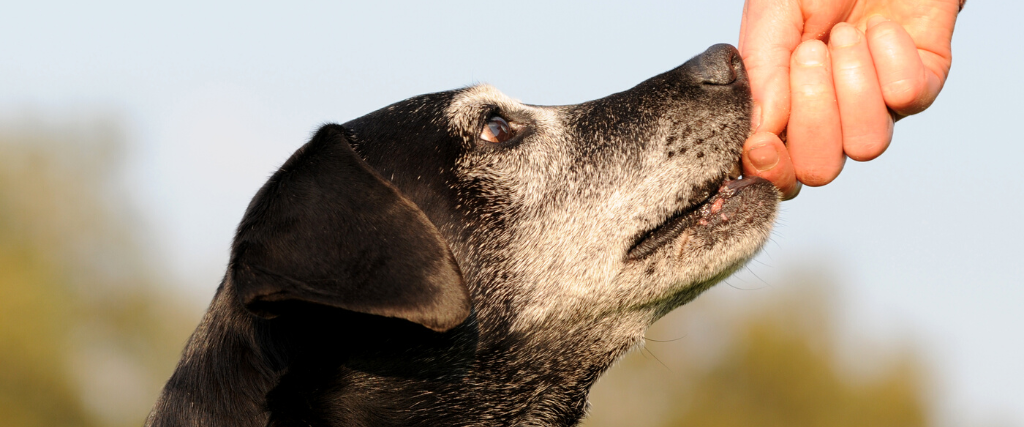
[729,226]
[690,252]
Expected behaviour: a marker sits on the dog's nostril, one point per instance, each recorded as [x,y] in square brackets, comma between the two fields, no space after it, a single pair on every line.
[719,65]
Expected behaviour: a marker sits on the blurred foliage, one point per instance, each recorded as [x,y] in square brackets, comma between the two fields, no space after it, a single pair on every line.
[775,363]
[88,332]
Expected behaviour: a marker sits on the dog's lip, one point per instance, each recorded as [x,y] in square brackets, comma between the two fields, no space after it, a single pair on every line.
[669,229]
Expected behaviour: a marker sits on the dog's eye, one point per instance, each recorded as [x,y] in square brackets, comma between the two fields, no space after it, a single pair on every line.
[496,130]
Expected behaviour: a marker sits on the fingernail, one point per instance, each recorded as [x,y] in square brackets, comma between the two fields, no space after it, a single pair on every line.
[810,54]
[844,35]
[875,20]
[763,157]
[755,116]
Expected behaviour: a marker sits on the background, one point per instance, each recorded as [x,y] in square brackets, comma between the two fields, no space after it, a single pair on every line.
[132,137]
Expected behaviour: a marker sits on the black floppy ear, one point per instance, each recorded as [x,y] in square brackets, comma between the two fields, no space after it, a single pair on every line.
[327,229]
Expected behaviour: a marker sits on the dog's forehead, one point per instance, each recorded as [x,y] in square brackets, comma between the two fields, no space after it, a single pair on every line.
[466,107]
[469,104]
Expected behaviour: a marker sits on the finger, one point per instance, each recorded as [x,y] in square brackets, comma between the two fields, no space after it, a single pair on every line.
[765,156]
[815,138]
[930,25]
[866,123]
[769,32]
[907,87]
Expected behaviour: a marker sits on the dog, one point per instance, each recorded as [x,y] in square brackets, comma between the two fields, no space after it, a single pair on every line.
[463,259]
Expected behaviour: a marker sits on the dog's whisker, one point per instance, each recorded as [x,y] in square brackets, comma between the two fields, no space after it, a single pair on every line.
[665,341]
[656,358]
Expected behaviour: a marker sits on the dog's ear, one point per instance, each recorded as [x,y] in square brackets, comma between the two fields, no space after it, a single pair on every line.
[327,229]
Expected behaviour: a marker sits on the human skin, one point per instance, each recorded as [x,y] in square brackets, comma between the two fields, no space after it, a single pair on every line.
[829,79]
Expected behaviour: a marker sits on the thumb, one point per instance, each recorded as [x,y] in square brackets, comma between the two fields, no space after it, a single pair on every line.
[769,32]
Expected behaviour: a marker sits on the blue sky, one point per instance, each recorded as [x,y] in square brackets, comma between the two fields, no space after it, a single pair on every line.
[925,241]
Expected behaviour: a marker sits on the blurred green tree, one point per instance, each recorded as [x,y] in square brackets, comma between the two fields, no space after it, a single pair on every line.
[776,364]
[88,330]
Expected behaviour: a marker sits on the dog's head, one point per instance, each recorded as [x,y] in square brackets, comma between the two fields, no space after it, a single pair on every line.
[460,201]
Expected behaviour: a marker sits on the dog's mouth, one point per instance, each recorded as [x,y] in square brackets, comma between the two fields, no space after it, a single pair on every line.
[701,213]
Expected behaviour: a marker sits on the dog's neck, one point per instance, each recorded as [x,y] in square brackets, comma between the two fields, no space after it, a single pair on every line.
[398,373]
[351,369]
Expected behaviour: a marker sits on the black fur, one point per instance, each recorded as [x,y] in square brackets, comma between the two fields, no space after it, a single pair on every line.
[327,229]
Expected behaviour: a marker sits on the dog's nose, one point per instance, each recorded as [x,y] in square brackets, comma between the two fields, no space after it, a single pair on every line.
[719,65]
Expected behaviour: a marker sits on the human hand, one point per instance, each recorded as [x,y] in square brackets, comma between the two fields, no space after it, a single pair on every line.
[884,60]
